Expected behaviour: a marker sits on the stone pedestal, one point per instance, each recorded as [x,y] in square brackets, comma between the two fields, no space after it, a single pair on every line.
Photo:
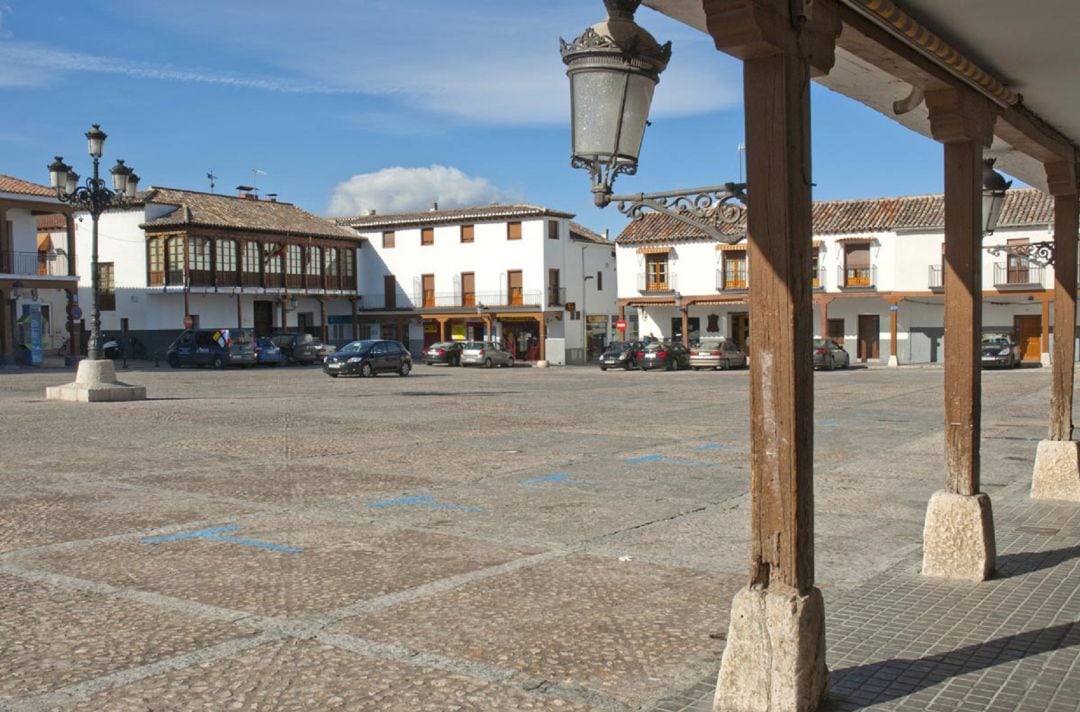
[541,364]
[775,654]
[958,539]
[893,362]
[1057,471]
[95,381]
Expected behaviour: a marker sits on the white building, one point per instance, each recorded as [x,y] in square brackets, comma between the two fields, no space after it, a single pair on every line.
[37,276]
[520,274]
[876,278]
[180,259]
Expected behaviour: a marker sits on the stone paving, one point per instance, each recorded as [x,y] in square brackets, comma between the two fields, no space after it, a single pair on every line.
[522,539]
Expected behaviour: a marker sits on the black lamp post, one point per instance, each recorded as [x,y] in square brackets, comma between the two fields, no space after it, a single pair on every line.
[614,67]
[95,199]
[993,197]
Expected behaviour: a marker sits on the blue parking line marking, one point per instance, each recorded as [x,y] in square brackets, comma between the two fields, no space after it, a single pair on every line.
[426,501]
[709,446]
[645,458]
[670,461]
[218,534]
[562,478]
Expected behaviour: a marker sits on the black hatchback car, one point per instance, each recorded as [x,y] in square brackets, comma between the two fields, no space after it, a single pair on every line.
[668,355]
[620,354]
[367,358]
[448,352]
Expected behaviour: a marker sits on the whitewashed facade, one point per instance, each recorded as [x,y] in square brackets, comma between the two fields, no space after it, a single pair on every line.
[523,275]
[877,269]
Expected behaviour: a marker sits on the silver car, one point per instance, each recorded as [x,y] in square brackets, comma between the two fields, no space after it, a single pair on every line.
[486,354]
[716,353]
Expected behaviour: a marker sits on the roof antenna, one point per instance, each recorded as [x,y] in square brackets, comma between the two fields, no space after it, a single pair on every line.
[212,178]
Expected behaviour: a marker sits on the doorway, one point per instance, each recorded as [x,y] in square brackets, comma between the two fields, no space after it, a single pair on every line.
[263,317]
[869,337]
[740,331]
[1029,336]
[834,329]
[693,325]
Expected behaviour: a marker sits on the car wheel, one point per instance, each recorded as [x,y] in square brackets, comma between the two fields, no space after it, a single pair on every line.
[174,361]
[725,365]
[627,365]
[405,368]
[510,363]
[603,368]
[216,363]
[847,362]
[487,363]
[366,370]
[332,375]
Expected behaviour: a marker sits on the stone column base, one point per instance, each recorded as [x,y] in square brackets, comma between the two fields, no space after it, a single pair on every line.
[893,361]
[958,539]
[541,364]
[1044,359]
[95,381]
[1057,471]
[775,654]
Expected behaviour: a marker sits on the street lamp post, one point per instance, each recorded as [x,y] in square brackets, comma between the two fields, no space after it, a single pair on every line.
[94,198]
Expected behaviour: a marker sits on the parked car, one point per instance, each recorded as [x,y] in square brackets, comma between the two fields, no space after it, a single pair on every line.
[322,350]
[267,354]
[486,354]
[369,357]
[620,354]
[447,352]
[999,349]
[212,347]
[716,352]
[298,348]
[668,355]
[830,355]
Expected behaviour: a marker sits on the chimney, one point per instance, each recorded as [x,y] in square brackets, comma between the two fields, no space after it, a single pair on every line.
[434,207]
[272,197]
[247,192]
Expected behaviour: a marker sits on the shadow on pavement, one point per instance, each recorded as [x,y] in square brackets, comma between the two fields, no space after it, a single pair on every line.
[1025,562]
[864,685]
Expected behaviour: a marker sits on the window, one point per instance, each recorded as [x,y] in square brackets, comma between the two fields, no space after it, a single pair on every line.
[274,254]
[816,281]
[199,250]
[468,233]
[106,286]
[331,262]
[427,282]
[468,289]
[1017,266]
[226,255]
[599,281]
[314,261]
[174,259]
[427,236]
[294,259]
[734,269]
[554,297]
[155,262]
[857,272]
[388,239]
[513,284]
[348,264]
[553,230]
[250,262]
[513,231]
[656,272]
[390,291]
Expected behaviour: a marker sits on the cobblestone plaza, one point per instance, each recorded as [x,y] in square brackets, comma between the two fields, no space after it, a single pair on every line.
[514,539]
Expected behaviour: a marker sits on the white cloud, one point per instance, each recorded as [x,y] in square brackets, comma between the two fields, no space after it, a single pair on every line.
[412,189]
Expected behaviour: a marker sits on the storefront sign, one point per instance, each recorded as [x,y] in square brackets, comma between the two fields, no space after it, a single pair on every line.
[457,332]
[37,353]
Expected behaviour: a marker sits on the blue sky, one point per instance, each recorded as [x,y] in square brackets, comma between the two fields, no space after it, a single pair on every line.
[349,105]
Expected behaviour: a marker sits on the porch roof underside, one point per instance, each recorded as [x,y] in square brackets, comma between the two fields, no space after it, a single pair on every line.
[1031,49]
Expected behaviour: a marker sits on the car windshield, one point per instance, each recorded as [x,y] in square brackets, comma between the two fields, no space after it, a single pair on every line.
[994,339]
[356,347]
[442,345]
[819,343]
[710,343]
[475,345]
[240,337]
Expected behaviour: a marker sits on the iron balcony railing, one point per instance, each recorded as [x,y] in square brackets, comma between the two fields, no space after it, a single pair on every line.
[652,282]
[1006,275]
[858,277]
[453,300]
[731,280]
[936,281]
[34,264]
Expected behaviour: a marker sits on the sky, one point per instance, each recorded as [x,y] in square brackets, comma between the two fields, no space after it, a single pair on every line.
[344,106]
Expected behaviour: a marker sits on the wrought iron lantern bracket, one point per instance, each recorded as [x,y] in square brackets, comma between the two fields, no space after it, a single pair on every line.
[1038,253]
[708,209]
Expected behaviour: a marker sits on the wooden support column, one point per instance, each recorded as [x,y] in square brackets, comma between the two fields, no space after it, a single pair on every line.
[1057,461]
[775,654]
[442,328]
[684,312]
[355,318]
[239,312]
[824,304]
[7,327]
[543,337]
[958,537]
[323,328]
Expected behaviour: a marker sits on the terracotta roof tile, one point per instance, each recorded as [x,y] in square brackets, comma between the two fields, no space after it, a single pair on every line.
[1025,206]
[51,223]
[485,213]
[224,211]
[581,232]
[22,187]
